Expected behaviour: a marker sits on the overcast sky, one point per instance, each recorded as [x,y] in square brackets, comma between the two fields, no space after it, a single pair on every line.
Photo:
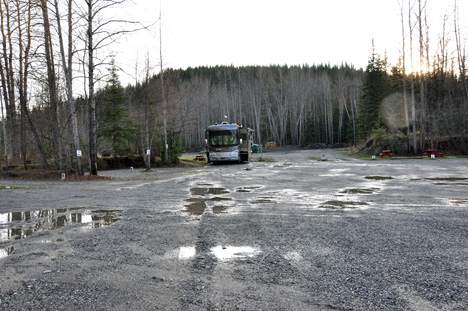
[264,32]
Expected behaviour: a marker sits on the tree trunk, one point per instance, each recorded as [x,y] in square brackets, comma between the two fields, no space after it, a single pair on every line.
[52,84]
[405,97]
[91,99]
[68,79]
[5,136]
[413,100]
[166,151]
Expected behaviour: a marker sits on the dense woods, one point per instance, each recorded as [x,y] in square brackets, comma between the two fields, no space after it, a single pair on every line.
[45,119]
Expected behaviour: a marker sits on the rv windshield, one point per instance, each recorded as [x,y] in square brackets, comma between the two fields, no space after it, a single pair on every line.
[223,138]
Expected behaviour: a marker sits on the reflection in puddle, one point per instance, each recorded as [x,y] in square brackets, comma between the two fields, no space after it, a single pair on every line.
[203,191]
[360,191]
[247,189]
[19,225]
[447,178]
[197,205]
[459,202]
[5,252]
[187,252]
[263,200]
[224,253]
[219,209]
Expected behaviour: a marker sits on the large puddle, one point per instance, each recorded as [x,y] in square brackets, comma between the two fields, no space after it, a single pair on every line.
[19,225]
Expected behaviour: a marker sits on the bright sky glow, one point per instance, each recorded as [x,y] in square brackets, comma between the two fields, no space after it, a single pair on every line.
[264,32]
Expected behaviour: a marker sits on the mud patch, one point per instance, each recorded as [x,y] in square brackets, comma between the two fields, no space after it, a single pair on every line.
[378,177]
[19,225]
[334,204]
[360,190]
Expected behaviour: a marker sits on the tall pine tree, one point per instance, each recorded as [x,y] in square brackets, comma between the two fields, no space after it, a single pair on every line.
[375,88]
[115,125]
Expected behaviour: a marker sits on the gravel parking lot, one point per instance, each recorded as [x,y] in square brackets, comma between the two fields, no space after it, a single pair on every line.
[294,234]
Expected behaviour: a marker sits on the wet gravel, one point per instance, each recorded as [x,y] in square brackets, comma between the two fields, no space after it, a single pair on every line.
[294,234]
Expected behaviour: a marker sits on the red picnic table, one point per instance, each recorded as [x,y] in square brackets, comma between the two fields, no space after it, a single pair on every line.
[386,153]
[199,158]
[429,152]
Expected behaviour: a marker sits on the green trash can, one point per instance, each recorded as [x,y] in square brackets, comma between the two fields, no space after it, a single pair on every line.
[255,148]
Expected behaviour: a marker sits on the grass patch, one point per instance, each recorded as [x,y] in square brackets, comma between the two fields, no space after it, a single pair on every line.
[16,188]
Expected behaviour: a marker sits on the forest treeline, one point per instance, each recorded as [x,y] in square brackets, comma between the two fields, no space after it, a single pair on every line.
[44,53]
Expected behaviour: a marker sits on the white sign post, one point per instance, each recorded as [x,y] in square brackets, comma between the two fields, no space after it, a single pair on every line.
[148,152]
[78,153]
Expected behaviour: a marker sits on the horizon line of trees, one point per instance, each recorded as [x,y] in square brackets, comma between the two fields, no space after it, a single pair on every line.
[162,114]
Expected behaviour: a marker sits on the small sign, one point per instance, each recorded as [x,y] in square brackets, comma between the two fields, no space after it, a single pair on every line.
[167,146]
[148,152]
[78,153]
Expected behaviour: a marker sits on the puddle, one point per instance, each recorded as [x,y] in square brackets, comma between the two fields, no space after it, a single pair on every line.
[451,184]
[197,206]
[283,165]
[19,225]
[447,179]
[203,191]
[360,191]
[342,204]
[378,177]
[247,189]
[5,252]
[225,253]
[187,252]
[263,200]
[220,209]
[461,202]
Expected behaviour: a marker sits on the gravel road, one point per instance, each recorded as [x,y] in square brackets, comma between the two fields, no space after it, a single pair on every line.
[294,234]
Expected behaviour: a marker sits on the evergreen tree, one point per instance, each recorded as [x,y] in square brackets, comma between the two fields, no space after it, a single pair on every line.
[115,125]
[375,88]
